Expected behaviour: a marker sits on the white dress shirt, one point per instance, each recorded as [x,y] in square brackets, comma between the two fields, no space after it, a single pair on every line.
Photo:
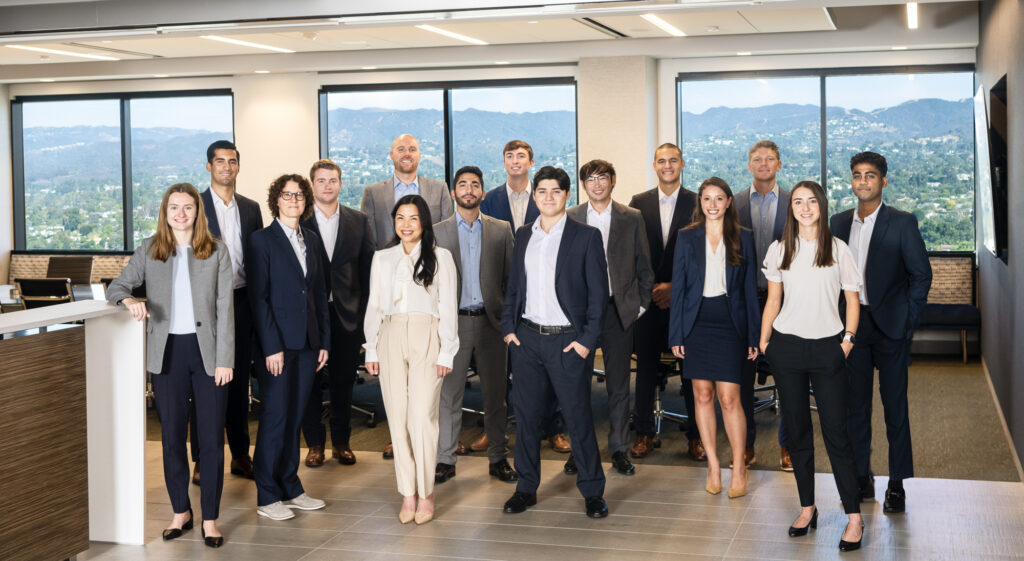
[860,239]
[298,245]
[182,317]
[602,221]
[714,269]
[667,206]
[231,233]
[518,203]
[328,226]
[541,262]
[810,306]
[393,290]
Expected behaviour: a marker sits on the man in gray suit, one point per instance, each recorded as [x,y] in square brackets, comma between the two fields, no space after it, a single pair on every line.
[379,198]
[631,281]
[482,248]
[762,208]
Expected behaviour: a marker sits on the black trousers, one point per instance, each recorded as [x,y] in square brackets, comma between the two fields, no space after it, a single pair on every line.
[617,345]
[540,369]
[889,356]
[276,459]
[181,377]
[236,421]
[796,363]
[340,375]
[651,341]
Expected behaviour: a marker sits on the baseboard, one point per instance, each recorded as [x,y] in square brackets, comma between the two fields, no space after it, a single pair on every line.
[1002,419]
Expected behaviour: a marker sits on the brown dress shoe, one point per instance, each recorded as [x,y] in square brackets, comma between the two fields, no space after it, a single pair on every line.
[195,474]
[481,444]
[642,446]
[389,452]
[785,462]
[697,452]
[242,466]
[559,443]
[748,456]
[315,456]
[344,455]
[461,449]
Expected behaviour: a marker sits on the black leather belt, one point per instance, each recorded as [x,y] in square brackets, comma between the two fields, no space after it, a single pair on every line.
[472,312]
[548,329]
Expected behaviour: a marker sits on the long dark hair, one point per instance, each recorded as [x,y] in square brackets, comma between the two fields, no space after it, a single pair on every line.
[425,267]
[730,221]
[823,257]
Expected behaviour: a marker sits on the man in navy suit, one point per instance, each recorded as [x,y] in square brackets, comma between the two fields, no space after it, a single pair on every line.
[762,208]
[232,218]
[897,276]
[348,245]
[552,319]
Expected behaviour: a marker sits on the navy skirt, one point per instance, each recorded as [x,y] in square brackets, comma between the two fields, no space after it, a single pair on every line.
[714,350]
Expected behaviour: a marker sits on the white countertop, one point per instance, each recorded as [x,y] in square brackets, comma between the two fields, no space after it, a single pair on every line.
[52,315]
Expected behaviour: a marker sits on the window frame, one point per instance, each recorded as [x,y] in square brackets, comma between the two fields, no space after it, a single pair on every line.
[128,210]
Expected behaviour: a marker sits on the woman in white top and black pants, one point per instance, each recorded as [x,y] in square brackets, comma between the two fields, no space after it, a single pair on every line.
[411,329]
[806,343]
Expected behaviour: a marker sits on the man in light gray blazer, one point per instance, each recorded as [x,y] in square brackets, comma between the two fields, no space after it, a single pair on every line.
[379,198]
[631,279]
[482,248]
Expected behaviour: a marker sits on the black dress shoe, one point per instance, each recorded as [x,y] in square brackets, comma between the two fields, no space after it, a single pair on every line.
[795,532]
[895,501]
[867,487]
[443,472]
[212,541]
[622,464]
[596,507]
[851,546]
[503,471]
[519,502]
[174,533]
[570,466]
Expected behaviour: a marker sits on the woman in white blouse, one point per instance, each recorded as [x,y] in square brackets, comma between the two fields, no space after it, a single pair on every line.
[411,330]
[714,322]
[805,342]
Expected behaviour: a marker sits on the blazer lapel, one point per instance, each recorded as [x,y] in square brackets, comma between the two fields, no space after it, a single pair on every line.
[211,213]
[700,253]
[338,241]
[568,233]
[286,246]
[677,217]
[615,235]
[781,212]
[881,226]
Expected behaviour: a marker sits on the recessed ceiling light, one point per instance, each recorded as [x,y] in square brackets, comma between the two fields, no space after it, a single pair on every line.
[664,25]
[65,53]
[502,62]
[451,34]
[744,53]
[899,48]
[369,68]
[911,15]
[106,41]
[161,75]
[261,71]
[46,80]
[713,29]
[533,21]
[245,43]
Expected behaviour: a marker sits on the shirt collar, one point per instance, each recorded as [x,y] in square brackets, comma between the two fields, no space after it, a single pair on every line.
[591,211]
[414,183]
[662,197]
[414,254]
[870,218]
[526,192]
[320,213]
[461,222]
[556,229]
[219,202]
[288,231]
[774,192]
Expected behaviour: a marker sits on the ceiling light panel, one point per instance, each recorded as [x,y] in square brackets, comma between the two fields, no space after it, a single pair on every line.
[789,21]
[250,44]
[728,23]
[452,34]
[664,25]
[61,52]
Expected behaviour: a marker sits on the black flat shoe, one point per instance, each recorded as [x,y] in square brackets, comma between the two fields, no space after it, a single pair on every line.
[174,533]
[596,507]
[570,466]
[519,502]
[795,532]
[851,546]
[212,541]
[895,501]
[443,472]
[503,471]
[622,464]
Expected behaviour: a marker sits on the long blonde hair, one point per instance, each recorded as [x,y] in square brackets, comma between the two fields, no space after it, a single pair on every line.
[203,244]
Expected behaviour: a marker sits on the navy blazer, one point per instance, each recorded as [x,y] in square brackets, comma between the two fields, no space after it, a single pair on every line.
[897,274]
[250,217]
[496,205]
[347,271]
[288,308]
[581,281]
[649,205]
[689,267]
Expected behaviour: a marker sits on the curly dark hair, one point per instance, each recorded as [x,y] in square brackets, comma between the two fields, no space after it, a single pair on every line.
[278,186]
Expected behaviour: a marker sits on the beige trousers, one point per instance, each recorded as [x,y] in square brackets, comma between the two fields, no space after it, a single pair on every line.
[407,349]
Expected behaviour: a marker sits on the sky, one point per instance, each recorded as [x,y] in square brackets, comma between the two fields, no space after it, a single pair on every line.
[197,113]
[507,100]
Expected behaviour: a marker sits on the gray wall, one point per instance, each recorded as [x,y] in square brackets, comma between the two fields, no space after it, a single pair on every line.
[1002,285]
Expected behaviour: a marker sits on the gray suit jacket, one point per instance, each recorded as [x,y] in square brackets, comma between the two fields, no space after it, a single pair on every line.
[379,201]
[212,303]
[495,260]
[629,259]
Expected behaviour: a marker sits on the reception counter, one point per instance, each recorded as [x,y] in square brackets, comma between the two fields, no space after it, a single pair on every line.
[72,429]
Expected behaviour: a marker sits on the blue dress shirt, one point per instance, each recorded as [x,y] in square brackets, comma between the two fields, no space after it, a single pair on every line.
[763,209]
[470,242]
[402,189]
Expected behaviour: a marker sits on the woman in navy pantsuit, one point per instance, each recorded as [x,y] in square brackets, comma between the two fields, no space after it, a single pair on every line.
[715,321]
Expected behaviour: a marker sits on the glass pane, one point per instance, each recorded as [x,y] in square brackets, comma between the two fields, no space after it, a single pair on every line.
[722,119]
[924,126]
[73,192]
[169,140]
[362,125]
[485,119]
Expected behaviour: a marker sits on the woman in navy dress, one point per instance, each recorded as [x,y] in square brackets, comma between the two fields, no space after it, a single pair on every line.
[715,322]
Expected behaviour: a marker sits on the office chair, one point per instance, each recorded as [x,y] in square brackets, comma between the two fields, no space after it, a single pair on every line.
[76,268]
[39,293]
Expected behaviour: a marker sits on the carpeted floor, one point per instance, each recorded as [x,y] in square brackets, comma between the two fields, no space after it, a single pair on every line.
[956,430]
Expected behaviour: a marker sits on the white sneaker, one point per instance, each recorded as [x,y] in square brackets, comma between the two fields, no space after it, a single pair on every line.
[305,502]
[275,511]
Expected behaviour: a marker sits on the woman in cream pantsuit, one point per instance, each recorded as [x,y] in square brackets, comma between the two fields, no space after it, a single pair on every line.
[411,329]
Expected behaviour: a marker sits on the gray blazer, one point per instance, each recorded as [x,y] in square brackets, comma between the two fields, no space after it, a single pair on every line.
[495,260]
[379,201]
[629,259]
[212,303]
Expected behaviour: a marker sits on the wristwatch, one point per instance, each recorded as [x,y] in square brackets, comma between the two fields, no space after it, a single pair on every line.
[849,337]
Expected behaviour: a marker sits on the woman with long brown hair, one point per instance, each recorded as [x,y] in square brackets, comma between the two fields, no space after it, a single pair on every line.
[809,345]
[190,345]
[714,322]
